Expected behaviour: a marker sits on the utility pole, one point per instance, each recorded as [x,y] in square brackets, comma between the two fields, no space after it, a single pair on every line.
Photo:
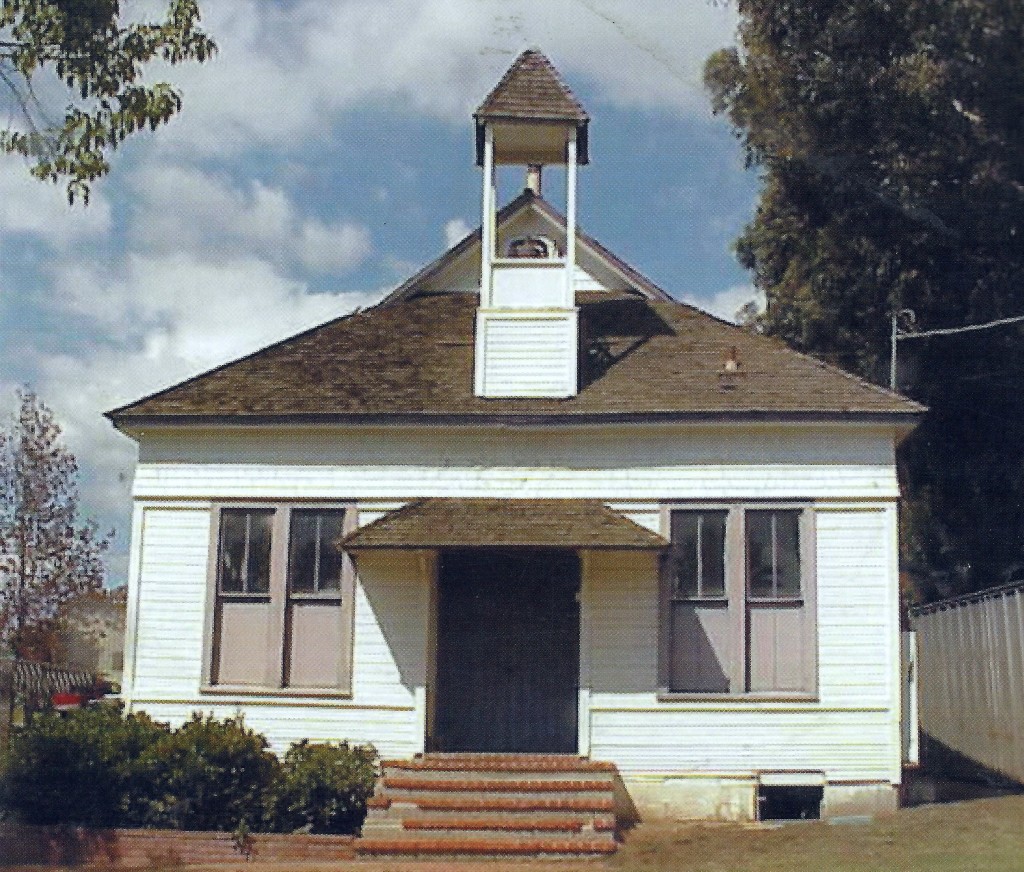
[911,319]
[908,332]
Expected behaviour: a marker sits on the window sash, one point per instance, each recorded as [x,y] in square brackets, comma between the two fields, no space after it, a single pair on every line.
[702,556]
[273,649]
[795,663]
[253,563]
[322,578]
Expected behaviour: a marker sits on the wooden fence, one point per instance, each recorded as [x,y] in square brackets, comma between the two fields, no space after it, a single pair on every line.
[971,681]
[28,687]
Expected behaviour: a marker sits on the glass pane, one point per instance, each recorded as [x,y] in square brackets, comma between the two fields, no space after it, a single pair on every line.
[260,526]
[302,552]
[232,551]
[332,559]
[712,554]
[760,562]
[684,554]
[787,554]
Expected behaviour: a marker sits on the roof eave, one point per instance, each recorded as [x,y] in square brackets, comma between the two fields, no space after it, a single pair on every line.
[896,419]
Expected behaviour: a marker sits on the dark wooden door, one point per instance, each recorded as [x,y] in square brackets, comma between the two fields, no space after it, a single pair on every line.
[507,652]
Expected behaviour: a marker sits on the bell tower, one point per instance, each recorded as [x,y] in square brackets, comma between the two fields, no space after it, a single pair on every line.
[527,323]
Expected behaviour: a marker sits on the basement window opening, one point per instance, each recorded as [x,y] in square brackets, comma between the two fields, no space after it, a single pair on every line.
[789,803]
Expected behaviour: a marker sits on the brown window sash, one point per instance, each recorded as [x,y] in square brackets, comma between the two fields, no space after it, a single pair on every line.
[271,616]
[731,632]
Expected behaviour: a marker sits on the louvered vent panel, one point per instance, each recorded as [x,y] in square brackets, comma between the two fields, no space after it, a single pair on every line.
[523,355]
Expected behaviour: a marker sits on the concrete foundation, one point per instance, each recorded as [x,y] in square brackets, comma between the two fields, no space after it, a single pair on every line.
[735,799]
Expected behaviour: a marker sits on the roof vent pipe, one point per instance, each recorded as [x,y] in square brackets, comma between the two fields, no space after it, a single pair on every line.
[533,178]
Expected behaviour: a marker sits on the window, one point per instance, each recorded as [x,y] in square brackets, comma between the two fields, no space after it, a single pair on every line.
[738,602]
[281,599]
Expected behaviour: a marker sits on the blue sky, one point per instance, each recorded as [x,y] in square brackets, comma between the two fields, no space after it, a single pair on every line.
[323,156]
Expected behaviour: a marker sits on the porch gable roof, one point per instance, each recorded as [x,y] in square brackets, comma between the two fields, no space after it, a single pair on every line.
[496,523]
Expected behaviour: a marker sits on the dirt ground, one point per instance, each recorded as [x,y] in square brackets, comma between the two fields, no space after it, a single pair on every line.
[980,835]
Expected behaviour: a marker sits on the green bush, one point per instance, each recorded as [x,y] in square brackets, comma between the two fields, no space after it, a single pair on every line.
[322,788]
[78,768]
[94,767]
[206,775]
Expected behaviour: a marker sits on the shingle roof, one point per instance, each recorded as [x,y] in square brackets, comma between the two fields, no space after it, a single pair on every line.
[412,360]
[532,88]
[468,523]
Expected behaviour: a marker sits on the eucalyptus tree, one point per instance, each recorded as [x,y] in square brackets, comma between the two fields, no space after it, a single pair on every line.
[890,141]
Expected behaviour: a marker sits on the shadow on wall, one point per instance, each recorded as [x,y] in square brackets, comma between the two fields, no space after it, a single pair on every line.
[397,590]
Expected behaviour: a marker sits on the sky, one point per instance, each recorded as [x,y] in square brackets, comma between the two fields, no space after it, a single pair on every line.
[322,157]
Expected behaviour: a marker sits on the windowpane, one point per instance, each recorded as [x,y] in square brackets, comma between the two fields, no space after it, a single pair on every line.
[787,554]
[712,550]
[760,554]
[685,580]
[232,551]
[315,562]
[302,552]
[698,550]
[332,558]
[258,575]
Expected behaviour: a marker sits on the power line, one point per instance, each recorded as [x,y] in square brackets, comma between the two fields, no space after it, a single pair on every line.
[898,333]
[948,331]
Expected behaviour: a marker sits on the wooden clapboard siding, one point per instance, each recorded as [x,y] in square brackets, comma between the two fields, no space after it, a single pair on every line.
[848,732]
[170,594]
[851,732]
[615,464]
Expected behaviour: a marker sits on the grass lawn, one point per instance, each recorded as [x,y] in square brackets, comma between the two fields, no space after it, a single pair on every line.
[983,835]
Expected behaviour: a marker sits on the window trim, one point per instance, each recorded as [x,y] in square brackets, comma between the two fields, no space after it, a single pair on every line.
[736,594]
[278,599]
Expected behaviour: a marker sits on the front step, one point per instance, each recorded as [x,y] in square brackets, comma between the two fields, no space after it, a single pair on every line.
[496,847]
[492,804]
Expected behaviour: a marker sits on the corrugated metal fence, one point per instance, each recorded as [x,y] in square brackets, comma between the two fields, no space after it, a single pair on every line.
[971,677]
[30,686]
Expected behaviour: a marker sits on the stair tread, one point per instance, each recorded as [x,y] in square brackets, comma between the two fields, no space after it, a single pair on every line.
[497,845]
[501,763]
[393,782]
[504,823]
[508,803]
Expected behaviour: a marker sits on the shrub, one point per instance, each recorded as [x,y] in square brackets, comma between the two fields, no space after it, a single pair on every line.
[78,768]
[323,788]
[207,775]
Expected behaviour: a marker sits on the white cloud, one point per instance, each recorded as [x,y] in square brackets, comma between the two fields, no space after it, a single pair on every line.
[284,72]
[28,205]
[183,209]
[455,231]
[164,319]
[726,304]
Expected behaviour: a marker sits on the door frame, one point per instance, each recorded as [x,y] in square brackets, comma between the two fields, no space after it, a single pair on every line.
[433,622]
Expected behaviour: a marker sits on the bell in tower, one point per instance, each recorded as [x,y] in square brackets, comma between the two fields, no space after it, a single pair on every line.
[527,324]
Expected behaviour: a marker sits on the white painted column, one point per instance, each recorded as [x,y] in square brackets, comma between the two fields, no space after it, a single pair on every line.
[487,228]
[570,220]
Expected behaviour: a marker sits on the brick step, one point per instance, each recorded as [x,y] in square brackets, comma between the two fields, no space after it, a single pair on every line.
[492,803]
[500,763]
[393,816]
[497,785]
[496,846]
[507,822]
